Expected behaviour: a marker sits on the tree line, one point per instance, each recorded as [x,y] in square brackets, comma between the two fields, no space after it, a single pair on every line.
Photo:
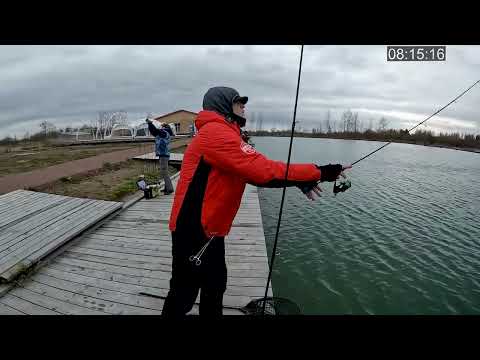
[98,128]
[350,127]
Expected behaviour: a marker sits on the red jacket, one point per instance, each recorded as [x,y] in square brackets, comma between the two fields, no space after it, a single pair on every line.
[216,167]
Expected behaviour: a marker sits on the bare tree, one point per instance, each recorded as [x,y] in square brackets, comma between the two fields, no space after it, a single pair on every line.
[360,126]
[47,127]
[370,124]
[347,121]
[328,126]
[382,124]
[116,118]
[106,120]
[355,122]
[44,126]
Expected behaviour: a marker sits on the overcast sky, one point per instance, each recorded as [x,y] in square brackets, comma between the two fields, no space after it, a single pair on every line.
[69,85]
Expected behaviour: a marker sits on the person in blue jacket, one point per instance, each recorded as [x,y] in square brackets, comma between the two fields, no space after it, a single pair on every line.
[162,142]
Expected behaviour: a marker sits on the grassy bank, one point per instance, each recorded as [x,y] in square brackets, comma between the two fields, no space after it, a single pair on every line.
[112,182]
[25,157]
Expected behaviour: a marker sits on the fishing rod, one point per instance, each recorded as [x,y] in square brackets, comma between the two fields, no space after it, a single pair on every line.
[264,302]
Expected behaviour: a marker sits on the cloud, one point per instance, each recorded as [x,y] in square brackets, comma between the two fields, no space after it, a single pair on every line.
[68,85]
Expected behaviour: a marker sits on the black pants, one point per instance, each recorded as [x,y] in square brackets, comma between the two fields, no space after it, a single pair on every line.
[188,278]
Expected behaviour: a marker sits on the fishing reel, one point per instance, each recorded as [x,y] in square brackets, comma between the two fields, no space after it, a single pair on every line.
[342,186]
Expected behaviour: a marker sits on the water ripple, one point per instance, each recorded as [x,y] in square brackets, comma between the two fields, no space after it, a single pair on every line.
[405,239]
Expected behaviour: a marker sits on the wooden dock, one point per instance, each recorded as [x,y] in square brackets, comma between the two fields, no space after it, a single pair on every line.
[175,158]
[108,270]
[34,224]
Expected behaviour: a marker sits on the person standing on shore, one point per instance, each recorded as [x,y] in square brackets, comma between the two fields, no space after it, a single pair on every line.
[162,142]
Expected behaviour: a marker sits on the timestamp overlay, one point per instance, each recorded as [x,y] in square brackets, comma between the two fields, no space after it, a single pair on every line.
[416,53]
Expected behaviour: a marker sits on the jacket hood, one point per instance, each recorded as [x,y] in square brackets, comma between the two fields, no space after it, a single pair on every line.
[220,99]
[205,117]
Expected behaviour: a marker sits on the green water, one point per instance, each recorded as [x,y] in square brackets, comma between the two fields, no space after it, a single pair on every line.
[404,239]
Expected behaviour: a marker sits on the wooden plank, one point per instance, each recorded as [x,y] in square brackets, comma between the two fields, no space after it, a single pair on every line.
[30,206]
[45,244]
[152,304]
[10,194]
[151,245]
[106,284]
[79,254]
[52,303]
[249,273]
[14,253]
[160,252]
[139,280]
[128,234]
[108,269]
[33,226]
[18,199]
[121,256]
[77,230]
[26,306]
[7,310]
[16,215]
[7,206]
[51,230]
[5,288]
[247,266]
[89,302]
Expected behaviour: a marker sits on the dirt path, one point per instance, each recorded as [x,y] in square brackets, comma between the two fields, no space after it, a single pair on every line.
[52,173]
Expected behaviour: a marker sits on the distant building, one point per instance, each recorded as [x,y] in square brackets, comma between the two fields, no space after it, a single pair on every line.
[182,119]
[181,122]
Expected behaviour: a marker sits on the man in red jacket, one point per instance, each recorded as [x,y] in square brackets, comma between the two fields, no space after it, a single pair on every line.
[215,169]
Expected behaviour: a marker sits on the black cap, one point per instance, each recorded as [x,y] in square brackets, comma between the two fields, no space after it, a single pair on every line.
[240,99]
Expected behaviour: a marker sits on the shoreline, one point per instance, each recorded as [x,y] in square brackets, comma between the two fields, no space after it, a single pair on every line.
[450,147]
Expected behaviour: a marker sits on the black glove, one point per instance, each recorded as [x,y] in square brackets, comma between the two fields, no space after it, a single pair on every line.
[307,186]
[330,172]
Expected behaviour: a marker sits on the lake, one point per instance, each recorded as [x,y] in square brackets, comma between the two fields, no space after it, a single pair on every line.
[404,239]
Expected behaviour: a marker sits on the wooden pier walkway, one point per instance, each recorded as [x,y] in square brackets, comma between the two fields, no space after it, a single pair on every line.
[108,270]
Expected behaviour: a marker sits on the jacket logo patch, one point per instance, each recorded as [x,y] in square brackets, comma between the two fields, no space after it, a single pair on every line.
[247,149]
